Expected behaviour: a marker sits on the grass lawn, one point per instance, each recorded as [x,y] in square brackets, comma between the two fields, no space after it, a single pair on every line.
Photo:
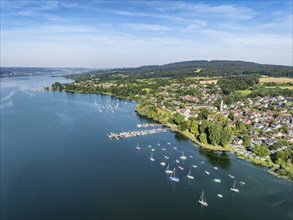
[244,92]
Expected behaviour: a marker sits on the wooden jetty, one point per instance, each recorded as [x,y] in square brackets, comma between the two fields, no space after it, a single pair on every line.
[128,134]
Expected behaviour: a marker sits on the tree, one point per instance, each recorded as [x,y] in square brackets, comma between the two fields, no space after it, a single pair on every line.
[226,136]
[215,134]
[203,138]
[203,114]
[284,129]
[221,119]
[204,127]
[178,118]
[194,128]
[246,141]
[183,126]
[241,127]
[261,150]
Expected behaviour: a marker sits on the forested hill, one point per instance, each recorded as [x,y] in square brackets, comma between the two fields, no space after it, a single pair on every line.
[208,68]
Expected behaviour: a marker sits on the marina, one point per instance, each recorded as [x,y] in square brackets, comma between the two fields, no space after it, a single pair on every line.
[129,134]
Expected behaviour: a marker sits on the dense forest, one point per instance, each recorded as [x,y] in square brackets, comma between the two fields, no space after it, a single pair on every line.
[214,68]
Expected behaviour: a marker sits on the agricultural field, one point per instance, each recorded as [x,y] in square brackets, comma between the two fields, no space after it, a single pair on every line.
[208,81]
[275,80]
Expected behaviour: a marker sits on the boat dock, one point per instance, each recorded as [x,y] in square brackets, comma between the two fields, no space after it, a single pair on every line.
[128,134]
[146,125]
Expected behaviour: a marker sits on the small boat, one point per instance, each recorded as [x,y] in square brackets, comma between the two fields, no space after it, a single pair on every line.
[168,143]
[231,176]
[217,180]
[158,143]
[181,168]
[202,162]
[189,175]
[242,182]
[153,149]
[175,148]
[137,147]
[167,170]
[166,157]
[177,161]
[220,195]
[183,157]
[233,188]
[202,200]
[152,158]
[194,166]
[149,146]
[163,148]
[163,164]
[215,168]
[191,156]
[207,173]
[173,177]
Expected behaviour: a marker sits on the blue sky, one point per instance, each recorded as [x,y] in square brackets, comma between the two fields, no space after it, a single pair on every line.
[105,34]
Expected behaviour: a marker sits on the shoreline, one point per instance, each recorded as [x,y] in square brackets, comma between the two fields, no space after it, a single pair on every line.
[211,148]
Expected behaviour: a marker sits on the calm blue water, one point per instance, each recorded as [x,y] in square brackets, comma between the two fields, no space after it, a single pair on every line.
[58,163]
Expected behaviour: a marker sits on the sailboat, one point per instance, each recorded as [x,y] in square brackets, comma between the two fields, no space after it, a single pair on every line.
[167,170]
[183,157]
[158,143]
[173,177]
[202,199]
[96,103]
[166,157]
[189,175]
[163,163]
[233,188]
[137,147]
[152,158]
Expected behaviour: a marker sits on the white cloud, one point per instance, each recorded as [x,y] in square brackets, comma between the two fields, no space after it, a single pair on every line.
[146,27]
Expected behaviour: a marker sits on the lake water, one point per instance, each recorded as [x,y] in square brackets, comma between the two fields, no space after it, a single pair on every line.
[58,163]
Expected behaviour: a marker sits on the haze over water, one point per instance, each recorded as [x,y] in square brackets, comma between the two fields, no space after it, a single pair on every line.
[58,163]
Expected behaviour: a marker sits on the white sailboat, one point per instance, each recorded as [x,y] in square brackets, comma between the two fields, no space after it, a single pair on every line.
[233,188]
[220,195]
[202,200]
[163,164]
[231,176]
[152,158]
[173,177]
[137,147]
[158,143]
[167,170]
[217,180]
[189,176]
[166,157]
[207,172]
[183,157]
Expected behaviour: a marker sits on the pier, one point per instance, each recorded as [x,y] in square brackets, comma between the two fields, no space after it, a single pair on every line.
[146,125]
[128,134]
